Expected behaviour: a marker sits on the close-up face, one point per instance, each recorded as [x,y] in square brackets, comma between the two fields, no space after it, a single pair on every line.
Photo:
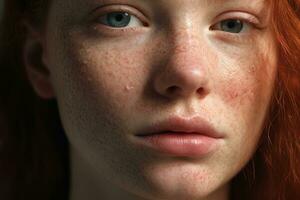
[120,68]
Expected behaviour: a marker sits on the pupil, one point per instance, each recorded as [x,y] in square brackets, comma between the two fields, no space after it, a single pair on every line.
[119,17]
[231,25]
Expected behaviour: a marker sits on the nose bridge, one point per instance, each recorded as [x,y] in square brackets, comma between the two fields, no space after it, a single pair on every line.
[185,40]
[188,49]
[185,50]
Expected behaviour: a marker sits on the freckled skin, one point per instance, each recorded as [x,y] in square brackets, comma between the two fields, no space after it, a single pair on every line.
[107,88]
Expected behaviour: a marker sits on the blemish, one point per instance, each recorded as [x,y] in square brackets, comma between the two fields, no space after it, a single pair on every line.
[127,88]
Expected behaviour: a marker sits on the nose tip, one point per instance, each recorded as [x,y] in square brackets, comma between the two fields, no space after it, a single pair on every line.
[182,81]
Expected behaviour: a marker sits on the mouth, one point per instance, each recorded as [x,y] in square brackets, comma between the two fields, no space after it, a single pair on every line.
[177,136]
[167,132]
[180,125]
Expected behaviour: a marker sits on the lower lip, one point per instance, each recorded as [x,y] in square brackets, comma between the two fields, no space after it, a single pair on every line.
[181,144]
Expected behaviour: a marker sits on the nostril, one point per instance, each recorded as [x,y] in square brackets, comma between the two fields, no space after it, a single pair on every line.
[200,90]
[175,89]
[172,89]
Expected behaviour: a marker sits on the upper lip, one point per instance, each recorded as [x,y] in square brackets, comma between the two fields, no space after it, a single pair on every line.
[181,125]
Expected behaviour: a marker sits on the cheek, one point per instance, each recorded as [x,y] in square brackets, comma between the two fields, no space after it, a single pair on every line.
[105,75]
[236,92]
[244,92]
[248,82]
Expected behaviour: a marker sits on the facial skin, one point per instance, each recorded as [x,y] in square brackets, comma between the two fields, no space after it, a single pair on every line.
[112,82]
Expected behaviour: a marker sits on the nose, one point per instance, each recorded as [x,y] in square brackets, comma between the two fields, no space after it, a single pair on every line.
[185,72]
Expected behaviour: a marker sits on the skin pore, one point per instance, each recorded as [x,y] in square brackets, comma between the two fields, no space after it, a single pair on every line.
[173,59]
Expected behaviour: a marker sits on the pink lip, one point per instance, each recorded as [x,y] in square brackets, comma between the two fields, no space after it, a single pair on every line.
[195,125]
[191,137]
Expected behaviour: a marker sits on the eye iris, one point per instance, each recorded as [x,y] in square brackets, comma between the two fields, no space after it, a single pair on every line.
[232,25]
[118,19]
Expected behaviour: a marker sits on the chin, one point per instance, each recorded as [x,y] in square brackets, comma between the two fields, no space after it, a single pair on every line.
[182,186]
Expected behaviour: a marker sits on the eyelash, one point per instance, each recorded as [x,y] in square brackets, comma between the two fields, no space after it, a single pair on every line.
[251,23]
[114,30]
[238,36]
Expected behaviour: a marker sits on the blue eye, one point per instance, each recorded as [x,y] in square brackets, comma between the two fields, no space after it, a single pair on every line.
[120,20]
[232,25]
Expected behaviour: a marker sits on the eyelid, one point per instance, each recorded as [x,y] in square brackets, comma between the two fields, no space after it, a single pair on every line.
[239,15]
[133,20]
[103,10]
[244,37]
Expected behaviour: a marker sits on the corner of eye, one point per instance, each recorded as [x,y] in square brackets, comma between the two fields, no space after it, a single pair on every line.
[212,29]
[146,24]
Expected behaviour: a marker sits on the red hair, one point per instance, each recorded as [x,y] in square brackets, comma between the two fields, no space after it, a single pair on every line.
[34,165]
[274,171]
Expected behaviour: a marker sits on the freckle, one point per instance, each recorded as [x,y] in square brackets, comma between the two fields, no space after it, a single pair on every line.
[233,94]
[252,69]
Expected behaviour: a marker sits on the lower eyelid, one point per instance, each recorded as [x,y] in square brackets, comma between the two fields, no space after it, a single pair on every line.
[233,37]
[107,31]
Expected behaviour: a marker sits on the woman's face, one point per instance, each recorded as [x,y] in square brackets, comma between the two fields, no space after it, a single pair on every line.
[119,66]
